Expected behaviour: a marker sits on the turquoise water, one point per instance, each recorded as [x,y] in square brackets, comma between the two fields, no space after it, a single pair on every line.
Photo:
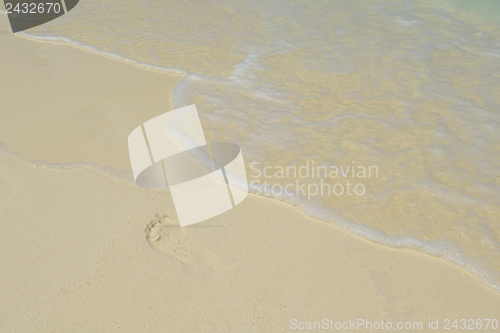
[485,9]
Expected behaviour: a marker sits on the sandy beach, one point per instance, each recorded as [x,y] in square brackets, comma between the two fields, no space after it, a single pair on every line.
[83,251]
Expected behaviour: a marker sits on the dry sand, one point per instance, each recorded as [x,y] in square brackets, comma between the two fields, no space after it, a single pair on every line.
[83,252]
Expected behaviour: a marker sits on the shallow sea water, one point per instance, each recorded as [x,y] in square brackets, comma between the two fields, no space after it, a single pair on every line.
[406,90]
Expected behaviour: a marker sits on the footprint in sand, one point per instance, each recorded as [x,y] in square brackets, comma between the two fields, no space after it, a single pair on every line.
[165,235]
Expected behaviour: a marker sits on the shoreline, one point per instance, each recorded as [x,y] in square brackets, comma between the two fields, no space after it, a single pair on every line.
[84,250]
[161,78]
